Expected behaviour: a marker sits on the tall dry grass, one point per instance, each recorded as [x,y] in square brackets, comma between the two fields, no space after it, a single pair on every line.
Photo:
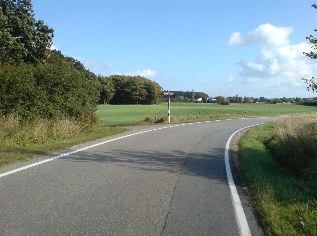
[294,144]
[41,131]
[21,140]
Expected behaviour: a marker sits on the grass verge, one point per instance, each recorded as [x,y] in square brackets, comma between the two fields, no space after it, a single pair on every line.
[285,204]
[21,141]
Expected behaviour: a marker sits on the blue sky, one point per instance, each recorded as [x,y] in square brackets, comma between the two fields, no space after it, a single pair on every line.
[220,47]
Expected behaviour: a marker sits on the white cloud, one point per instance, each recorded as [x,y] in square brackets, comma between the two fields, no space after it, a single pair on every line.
[230,79]
[54,47]
[274,67]
[107,69]
[97,67]
[266,34]
[235,39]
[147,73]
[279,64]
[256,66]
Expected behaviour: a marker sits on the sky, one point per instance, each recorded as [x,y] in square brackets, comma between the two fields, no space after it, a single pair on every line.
[221,47]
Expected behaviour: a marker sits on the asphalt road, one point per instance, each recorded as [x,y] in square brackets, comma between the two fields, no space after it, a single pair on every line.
[168,181]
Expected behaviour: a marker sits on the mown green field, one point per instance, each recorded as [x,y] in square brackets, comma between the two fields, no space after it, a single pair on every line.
[185,112]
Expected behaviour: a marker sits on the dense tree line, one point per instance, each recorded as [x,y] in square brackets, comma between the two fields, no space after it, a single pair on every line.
[310,102]
[237,99]
[36,82]
[188,96]
[120,89]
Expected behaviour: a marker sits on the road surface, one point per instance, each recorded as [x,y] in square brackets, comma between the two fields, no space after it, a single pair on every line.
[165,181]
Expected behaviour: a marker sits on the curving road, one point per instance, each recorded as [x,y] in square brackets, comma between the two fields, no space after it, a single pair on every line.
[164,181]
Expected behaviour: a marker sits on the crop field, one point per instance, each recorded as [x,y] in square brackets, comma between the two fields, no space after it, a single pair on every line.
[115,115]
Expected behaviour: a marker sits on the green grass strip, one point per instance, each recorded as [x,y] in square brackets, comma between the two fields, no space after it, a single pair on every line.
[284,204]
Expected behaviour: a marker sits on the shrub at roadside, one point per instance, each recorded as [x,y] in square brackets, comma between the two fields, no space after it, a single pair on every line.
[48,90]
[294,145]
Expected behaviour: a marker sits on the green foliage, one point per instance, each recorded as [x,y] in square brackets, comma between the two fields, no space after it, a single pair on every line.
[65,91]
[120,89]
[17,89]
[311,83]
[48,90]
[22,38]
[107,89]
[34,81]
[188,96]
[310,103]
[223,100]
[179,98]
[56,56]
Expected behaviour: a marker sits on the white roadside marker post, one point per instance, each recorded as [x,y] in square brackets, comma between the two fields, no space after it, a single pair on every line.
[169,110]
[168,93]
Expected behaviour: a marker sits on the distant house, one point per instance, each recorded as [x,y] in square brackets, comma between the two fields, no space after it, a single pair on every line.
[199,99]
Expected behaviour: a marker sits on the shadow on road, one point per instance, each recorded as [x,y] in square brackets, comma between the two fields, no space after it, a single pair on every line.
[209,164]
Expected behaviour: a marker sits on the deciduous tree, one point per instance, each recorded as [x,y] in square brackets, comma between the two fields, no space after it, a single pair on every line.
[22,38]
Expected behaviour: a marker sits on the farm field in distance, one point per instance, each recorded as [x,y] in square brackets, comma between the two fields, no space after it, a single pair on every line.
[116,115]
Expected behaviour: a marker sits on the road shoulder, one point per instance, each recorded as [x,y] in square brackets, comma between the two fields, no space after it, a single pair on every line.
[254,223]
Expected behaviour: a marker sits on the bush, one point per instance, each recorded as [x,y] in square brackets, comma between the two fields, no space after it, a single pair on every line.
[49,90]
[294,145]
[65,91]
[223,100]
[17,89]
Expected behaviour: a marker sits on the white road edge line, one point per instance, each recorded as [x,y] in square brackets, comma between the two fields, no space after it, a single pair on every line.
[98,144]
[63,155]
[241,219]
[80,150]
